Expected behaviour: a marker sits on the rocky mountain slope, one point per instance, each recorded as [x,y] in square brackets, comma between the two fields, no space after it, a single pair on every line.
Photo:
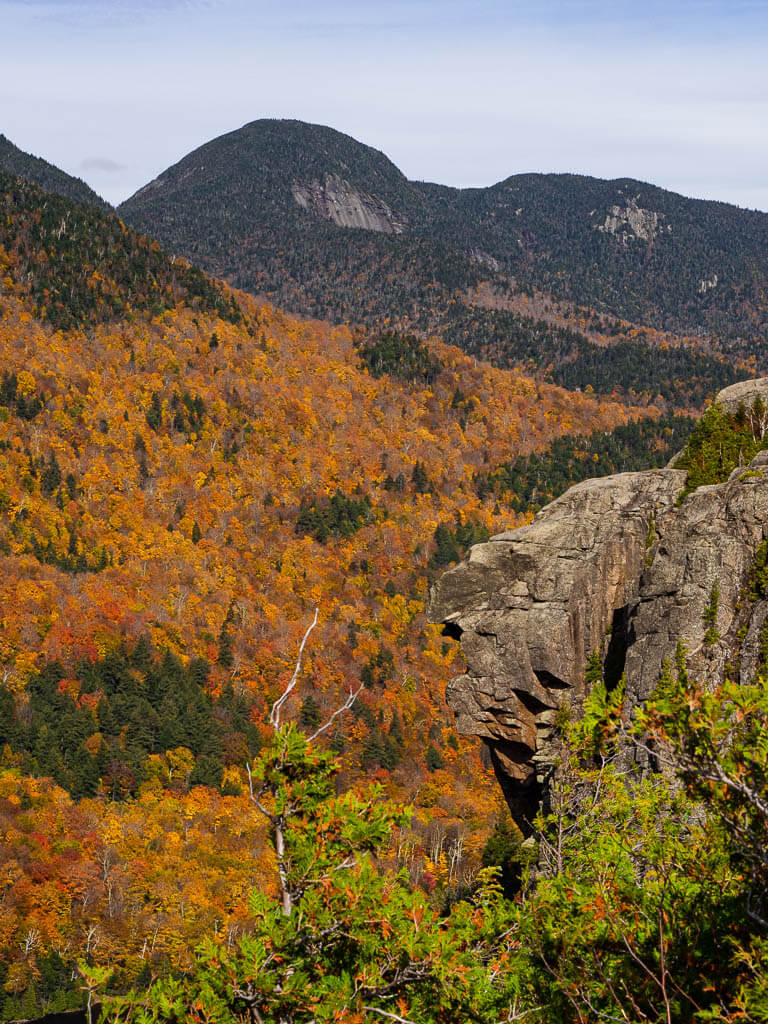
[324,226]
[32,168]
[616,572]
[319,223]
[331,227]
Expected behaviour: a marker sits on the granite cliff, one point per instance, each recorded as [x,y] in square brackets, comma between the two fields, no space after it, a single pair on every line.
[339,201]
[614,566]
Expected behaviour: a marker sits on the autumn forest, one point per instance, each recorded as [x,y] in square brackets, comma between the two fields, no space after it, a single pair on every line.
[188,476]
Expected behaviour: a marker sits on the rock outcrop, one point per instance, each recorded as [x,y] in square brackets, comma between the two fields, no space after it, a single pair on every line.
[348,207]
[613,566]
[631,222]
[744,392]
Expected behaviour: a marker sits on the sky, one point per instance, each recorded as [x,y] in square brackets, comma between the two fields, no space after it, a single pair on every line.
[462,92]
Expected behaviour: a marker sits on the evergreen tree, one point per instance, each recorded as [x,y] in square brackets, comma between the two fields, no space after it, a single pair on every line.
[435,759]
[309,716]
[503,850]
[341,940]
[226,657]
[50,478]
[419,478]
[446,547]
[154,414]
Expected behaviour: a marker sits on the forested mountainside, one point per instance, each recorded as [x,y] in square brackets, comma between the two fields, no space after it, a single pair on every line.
[620,246]
[321,224]
[579,353]
[329,227]
[32,168]
[185,475]
[193,488]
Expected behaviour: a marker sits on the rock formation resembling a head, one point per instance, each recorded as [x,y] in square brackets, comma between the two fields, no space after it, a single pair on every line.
[612,566]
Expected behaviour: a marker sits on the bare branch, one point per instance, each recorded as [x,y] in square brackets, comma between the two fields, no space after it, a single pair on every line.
[389,1016]
[274,715]
[351,698]
[254,798]
[515,1014]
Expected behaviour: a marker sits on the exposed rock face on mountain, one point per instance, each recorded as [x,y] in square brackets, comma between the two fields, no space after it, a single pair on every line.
[346,206]
[270,206]
[632,222]
[613,566]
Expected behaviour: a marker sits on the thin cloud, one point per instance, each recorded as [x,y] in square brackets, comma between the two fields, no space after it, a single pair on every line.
[101,163]
[97,14]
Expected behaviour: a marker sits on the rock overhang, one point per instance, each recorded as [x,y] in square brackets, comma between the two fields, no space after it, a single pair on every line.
[616,566]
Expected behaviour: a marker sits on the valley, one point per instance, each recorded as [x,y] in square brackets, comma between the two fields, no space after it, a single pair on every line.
[282,381]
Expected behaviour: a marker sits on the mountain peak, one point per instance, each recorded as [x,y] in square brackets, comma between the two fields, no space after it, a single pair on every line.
[327,226]
[49,177]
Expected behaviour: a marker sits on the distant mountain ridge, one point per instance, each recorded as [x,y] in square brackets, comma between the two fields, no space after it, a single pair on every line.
[546,272]
[263,207]
[328,226]
[49,177]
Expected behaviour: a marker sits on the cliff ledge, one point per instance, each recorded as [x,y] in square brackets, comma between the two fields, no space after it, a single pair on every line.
[612,566]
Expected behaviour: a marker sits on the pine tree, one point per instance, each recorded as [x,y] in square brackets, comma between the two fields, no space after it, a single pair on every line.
[435,759]
[50,478]
[309,716]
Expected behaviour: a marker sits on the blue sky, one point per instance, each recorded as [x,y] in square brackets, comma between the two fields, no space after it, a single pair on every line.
[460,92]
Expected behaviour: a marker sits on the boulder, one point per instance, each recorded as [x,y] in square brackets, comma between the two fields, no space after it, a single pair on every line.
[743,392]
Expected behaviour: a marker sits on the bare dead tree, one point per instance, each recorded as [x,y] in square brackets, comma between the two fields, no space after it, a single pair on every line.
[277,707]
[278,821]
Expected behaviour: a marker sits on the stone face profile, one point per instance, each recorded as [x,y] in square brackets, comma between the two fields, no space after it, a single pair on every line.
[613,566]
